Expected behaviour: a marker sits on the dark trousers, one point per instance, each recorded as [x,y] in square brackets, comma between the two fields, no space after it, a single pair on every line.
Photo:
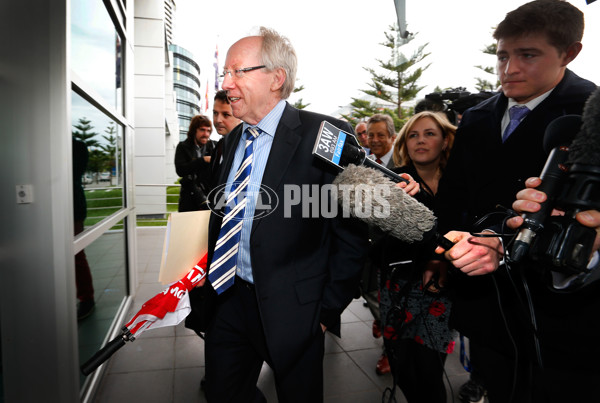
[526,382]
[235,350]
[418,371]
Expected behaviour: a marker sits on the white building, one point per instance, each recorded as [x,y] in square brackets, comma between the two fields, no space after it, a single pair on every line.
[63,61]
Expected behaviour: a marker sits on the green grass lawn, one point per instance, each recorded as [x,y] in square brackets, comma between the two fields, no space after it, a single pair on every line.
[102,203]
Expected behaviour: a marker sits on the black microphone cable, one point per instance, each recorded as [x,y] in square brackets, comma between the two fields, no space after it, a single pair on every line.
[507,215]
[527,307]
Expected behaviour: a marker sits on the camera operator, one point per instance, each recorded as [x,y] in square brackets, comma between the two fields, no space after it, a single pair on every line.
[533,344]
[453,102]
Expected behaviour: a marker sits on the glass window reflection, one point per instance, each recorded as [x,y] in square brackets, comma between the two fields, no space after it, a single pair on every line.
[105,283]
[97,163]
[96,54]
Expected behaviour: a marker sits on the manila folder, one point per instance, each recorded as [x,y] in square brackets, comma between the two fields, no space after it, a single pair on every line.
[186,242]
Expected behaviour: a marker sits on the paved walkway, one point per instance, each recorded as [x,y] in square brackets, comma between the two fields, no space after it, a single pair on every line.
[165,365]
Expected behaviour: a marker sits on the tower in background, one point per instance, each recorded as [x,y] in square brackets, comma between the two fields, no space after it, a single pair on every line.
[186,83]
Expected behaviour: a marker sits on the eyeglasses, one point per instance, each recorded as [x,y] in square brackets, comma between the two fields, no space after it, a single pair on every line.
[239,73]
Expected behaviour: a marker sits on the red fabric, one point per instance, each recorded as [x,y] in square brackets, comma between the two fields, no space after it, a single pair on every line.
[167,301]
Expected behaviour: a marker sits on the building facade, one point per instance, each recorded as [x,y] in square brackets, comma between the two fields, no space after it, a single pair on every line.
[75,72]
[186,82]
[156,126]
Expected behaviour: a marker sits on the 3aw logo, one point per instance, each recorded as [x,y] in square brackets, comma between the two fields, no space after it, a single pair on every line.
[265,199]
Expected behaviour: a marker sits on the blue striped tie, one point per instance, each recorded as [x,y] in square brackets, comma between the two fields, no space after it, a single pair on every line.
[223,265]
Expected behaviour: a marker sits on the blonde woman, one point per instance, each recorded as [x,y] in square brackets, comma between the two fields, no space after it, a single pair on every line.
[414,310]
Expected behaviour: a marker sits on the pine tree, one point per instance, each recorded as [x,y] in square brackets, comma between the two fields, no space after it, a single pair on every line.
[299,103]
[83,131]
[110,147]
[394,87]
[484,84]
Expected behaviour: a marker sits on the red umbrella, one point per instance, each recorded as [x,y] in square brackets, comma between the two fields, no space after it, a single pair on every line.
[167,308]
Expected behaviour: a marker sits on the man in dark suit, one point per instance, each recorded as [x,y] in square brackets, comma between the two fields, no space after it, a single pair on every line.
[294,274]
[494,153]
[361,135]
[224,122]
[380,136]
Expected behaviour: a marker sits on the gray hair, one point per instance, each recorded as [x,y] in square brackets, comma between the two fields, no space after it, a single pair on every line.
[387,119]
[277,52]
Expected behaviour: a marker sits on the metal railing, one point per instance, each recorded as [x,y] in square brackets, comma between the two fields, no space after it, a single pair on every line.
[154,202]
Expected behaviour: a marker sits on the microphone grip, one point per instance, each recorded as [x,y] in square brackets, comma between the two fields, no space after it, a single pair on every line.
[444,242]
[389,174]
[434,237]
[552,178]
[102,355]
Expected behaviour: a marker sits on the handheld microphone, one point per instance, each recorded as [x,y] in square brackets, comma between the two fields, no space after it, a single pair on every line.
[567,245]
[405,218]
[559,133]
[340,149]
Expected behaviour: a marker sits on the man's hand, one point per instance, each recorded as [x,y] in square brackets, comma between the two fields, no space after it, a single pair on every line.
[472,255]
[529,199]
[591,218]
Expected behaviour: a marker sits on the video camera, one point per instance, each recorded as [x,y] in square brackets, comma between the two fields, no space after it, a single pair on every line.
[453,102]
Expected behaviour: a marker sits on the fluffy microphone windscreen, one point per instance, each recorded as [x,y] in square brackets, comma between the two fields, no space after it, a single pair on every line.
[585,149]
[404,217]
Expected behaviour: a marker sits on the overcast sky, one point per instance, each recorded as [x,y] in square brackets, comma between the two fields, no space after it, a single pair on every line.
[336,39]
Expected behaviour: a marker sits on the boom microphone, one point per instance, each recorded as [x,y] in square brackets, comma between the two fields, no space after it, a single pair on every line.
[559,133]
[582,191]
[340,149]
[585,149]
[373,198]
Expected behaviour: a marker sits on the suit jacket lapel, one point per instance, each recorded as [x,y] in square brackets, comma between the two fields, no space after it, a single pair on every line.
[286,140]
[497,114]
[284,146]
[229,146]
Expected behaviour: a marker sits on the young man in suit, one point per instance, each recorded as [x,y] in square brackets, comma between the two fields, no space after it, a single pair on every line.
[292,275]
[224,122]
[223,118]
[494,153]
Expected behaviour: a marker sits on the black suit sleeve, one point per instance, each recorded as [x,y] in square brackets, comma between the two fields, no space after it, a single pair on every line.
[451,203]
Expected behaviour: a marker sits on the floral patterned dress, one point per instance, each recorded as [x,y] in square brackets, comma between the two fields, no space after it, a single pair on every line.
[407,311]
